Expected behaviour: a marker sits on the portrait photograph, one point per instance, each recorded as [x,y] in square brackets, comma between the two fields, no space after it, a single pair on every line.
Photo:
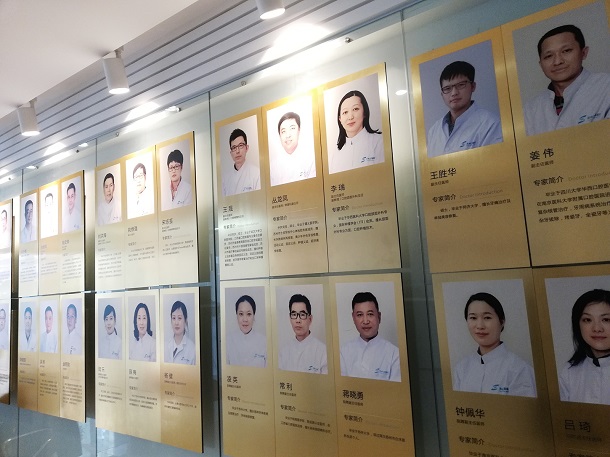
[6,225]
[180,328]
[49,325]
[550,59]
[72,205]
[29,218]
[142,328]
[301,328]
[460,100]
[176,175]
[5,325]
[140,178]
[579,311]
[109,192]
[28,326]
[239,156]
[354,136]
[368,335]
[488,335]
[246,327]
[290,132]
[110,325]
[48,211]
[72,325]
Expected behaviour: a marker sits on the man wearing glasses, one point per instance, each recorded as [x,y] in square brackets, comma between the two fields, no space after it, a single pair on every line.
[304,352]
[466,125]
[180,189]
[242,176]
[144,201]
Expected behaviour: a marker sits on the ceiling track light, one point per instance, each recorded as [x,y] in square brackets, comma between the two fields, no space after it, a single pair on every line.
[114,69]
[27,119]
[269,9]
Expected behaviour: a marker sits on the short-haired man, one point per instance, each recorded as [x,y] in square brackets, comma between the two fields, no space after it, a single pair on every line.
[48,222]
[574,96]
[72,342]
[304,352]
[5,233]
[28,341]
[73,218]
[28,232]
[242,176]
[466,125]
[48,340]
[294,163]
[180,190]
[369,355]
[109,209]
[3,330]
[143,202]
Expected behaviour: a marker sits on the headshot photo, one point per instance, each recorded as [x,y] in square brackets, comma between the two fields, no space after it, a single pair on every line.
[27,327]
[488,334]
[368,344]
[72,218]
[29,223]
[109,195]
[290,131]
[5,326]
[301,329]
[48,212]
[6,226]
[110,324]
[175,176]
[246,338]
[140,176]
[239,157]
[180,329]
[143,338]
[72,326]
[353,125]
[563,67]
[49,327]
[579,310]
[460,100]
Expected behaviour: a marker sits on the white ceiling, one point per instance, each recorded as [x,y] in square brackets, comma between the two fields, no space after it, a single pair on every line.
[43,43]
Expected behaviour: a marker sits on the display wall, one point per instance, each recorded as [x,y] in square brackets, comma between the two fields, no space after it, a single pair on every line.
[384,41]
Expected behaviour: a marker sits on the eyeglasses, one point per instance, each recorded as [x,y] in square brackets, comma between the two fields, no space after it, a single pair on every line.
[300,315]
[459,86]
[240,146]
[174,167]
[139,176]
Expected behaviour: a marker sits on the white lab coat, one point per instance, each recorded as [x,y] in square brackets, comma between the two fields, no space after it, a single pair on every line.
[183,353]
[375,359]
[363,149]
[308,356]
[586,382]
[246,179]
[144,349]
[248,350]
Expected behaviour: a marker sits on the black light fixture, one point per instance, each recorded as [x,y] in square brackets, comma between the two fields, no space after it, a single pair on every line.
[114,69]
[269,9]
[27,119]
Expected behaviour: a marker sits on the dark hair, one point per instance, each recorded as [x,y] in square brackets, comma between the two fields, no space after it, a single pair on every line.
[367,113]
[362,297]
[491,301]
[175,156]
[136,334]
[4,212]
[27,310]
[236,134]
[457,68]
[3,311]
[108,175]
[109,309]
[246,298]
[580,38]
[48,308]
[137,167]
[581,348]
[298,298]
[71,186]
[48,195]
[74,308]
[29,202]
[182,307]
[289,115]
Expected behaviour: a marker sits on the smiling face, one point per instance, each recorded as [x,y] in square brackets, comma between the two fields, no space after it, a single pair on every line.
[351,115]
[595,328]
[300,326]
[110,323]
[71,199]
[484,325]
[245,317]
[108,189]
[366,319]
[458,98]
[561,58]
[48,321]
[289,135]
[178,323]
[142,322]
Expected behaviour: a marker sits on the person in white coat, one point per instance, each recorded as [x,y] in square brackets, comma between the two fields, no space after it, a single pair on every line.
[73,217]
[493,369]
[143,347]
[586,376]
[48,340]
[72,341]
[180,348]
[109,209]
[358,144]
[369,355]
[180,190]
[304,352]
[28,340]
[109,343]
[245,346]
[242,176]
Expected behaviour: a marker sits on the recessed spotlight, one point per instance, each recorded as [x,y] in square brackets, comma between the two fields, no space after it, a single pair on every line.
[173,109]
[32,167]
[402,92]
[83,145]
